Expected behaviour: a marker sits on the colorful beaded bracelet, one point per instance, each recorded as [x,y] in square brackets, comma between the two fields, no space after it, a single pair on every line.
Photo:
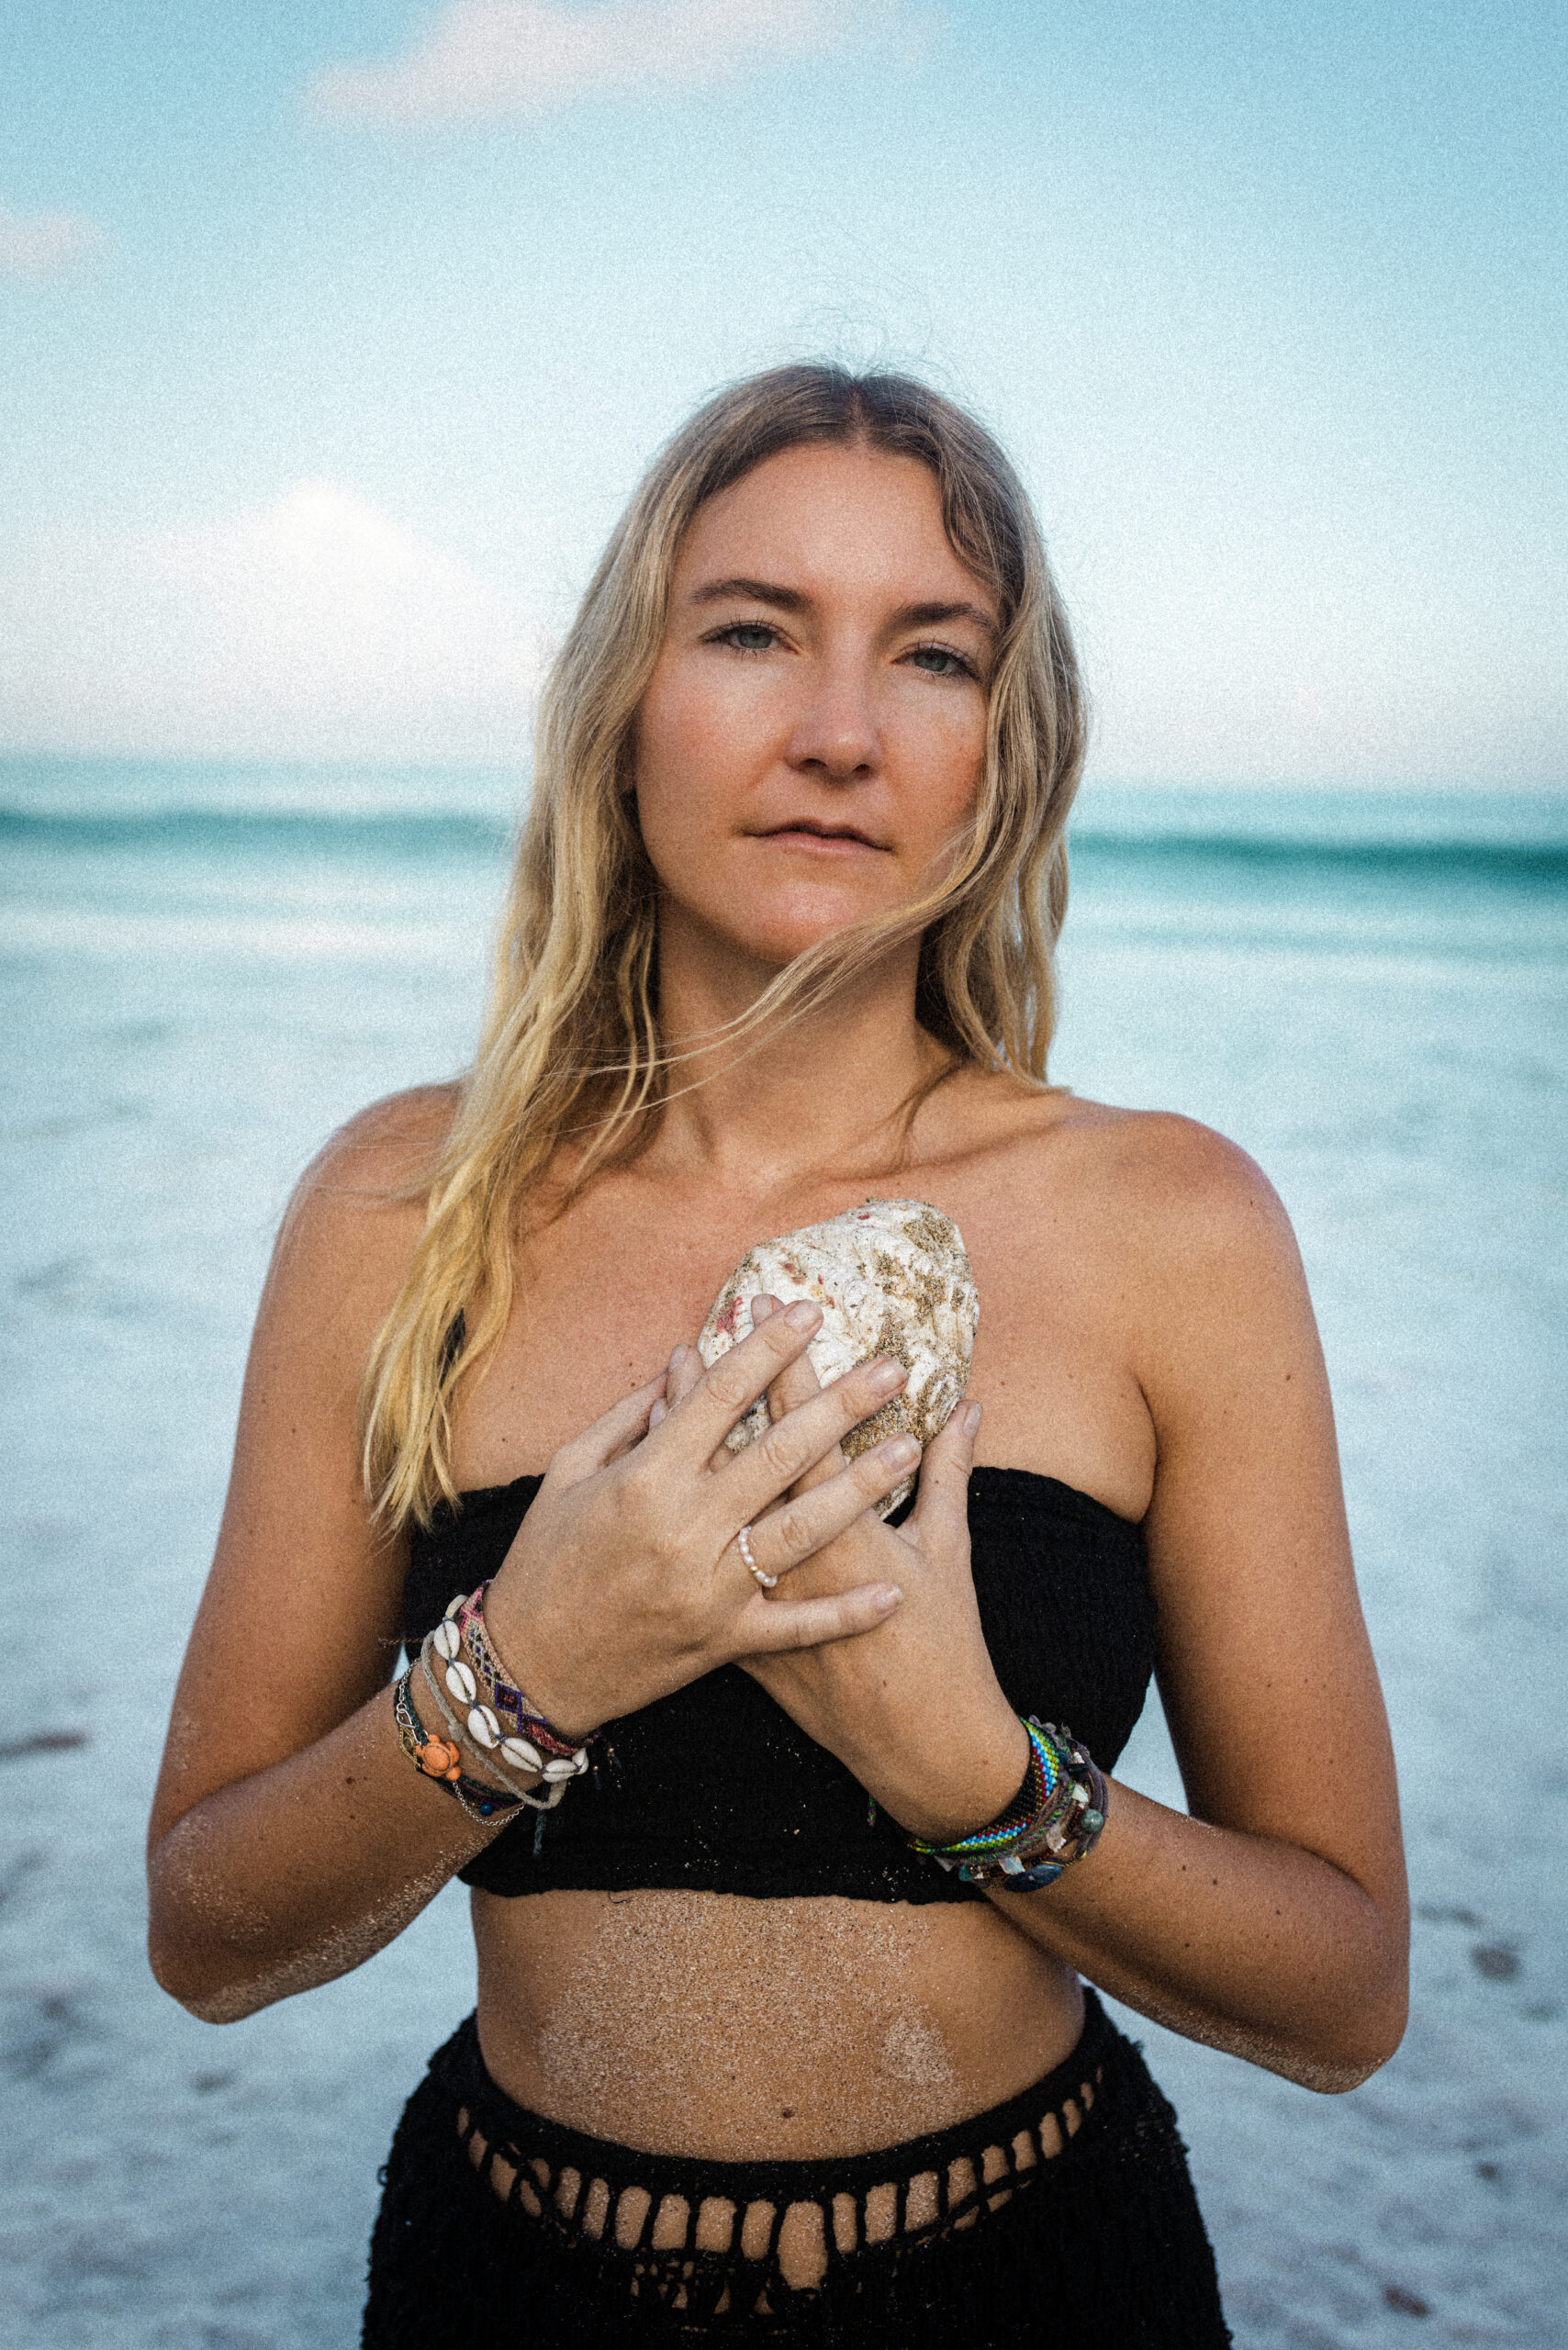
[435,1758]
[499,1718]
[516,1794]
[1054,1819]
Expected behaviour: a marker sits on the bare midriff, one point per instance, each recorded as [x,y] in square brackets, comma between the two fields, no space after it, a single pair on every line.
[699,2023]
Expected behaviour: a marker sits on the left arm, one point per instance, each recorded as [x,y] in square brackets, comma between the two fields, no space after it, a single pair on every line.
[1272,1919]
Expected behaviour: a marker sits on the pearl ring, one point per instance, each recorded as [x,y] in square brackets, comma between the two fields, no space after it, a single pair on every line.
[744,1539]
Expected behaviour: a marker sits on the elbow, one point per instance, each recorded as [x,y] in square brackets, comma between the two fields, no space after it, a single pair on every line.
[1361,2023]
[202,1992]
[1375,2045]
[213,1977]
[1365,2034]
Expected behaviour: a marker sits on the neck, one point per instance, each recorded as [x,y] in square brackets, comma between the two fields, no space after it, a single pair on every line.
[826,1090]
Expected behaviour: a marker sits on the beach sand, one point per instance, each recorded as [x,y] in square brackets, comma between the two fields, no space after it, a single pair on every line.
[192,1001]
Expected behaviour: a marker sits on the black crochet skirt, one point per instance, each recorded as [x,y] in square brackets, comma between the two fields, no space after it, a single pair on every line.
[1066,2214]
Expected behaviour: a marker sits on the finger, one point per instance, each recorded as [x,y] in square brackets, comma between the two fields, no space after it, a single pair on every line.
[799,1372]
[797,1384]
[685,1371]
[783,1454]
[727,1391]
[943,1506]
[797,1381]
[766,1626]
[808,1522]
[761,1307]
[607,1438]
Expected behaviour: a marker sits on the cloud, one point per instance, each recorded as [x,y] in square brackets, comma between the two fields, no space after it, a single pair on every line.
[36,245]
[495,60]
[316,626]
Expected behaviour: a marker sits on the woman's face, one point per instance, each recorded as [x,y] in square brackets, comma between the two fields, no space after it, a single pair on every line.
[813,737]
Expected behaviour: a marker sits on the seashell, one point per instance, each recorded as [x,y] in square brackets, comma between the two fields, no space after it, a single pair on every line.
[453,1605]
[521,1753]
[561,1767]
[891,1278]
[483,1726]
[446,1639]
[461,1684]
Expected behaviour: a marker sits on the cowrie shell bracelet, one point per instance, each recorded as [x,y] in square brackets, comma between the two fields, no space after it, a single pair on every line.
[481,1710]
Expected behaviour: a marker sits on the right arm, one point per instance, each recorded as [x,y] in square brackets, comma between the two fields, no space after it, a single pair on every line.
[291,1837]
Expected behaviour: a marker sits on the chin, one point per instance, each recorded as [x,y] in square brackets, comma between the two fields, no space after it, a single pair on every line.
[770,926]
[778,938]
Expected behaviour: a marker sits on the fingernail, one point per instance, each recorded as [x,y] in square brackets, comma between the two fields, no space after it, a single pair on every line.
[761,1307]
[886,1376]
[887,1598]
[901,1452]
[971,1420]
[805,1316]
[678,1356]
[658,1412]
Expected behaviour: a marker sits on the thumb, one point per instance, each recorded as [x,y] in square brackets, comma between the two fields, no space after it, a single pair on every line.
[941,1514]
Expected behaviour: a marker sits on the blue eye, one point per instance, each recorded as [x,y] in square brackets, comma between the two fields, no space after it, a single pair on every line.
[940,661]
[750,636]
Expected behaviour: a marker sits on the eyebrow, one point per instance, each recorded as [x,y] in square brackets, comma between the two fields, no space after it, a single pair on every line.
[791,599]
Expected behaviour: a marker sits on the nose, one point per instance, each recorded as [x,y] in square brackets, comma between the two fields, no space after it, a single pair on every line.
[835,736]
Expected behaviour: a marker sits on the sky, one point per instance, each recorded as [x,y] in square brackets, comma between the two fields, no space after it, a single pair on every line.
[334,336]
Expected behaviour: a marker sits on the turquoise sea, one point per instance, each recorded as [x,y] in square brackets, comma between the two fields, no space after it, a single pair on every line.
[205,970]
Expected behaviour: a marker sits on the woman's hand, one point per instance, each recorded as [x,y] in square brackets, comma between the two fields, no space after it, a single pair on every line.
[918,1715]
[626,1580]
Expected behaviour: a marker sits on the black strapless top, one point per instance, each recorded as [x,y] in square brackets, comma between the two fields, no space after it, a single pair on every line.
[715,1789]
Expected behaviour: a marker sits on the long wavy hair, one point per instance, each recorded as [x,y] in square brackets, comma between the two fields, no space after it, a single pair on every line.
[571,1044]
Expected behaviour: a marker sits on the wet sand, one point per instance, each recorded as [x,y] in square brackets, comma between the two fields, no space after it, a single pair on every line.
[184,1020]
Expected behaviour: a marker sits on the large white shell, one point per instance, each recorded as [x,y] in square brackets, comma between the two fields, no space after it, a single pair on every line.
[891,1278]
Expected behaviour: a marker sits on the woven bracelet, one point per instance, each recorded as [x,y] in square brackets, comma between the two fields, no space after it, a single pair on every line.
[515,1794]
[437,1758]
[1055,1820]
[498,1716]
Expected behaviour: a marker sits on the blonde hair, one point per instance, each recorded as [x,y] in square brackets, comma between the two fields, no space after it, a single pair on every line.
[570,1042]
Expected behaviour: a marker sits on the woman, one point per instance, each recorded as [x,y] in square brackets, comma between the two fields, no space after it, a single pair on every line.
[749,2060]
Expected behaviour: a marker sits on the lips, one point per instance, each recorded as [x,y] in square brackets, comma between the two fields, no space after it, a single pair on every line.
[829,836]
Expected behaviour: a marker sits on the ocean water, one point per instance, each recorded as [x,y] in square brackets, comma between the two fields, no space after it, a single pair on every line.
[203,972]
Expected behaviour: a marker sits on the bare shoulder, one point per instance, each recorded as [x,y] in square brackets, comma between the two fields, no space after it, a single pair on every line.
[387,1150]
[1185,1185]
[1150,1220]
[358,1211]
[374,1173]
[1152,1180]
[1189,1249]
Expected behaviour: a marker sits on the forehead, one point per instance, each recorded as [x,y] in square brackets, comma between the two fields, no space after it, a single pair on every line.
[830,518]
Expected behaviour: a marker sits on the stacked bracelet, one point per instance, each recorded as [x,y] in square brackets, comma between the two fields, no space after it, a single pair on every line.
[461,1669]
[509,1789]
[442,1761]
[499,1718]
[1054,1819]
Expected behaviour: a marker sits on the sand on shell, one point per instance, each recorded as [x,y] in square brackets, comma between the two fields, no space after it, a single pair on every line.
[891,1278]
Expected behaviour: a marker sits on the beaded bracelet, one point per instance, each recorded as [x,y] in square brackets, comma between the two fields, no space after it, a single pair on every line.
[514,1794]
[1055,1818]
[435,1758]
[526,1739]
[531,1723]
